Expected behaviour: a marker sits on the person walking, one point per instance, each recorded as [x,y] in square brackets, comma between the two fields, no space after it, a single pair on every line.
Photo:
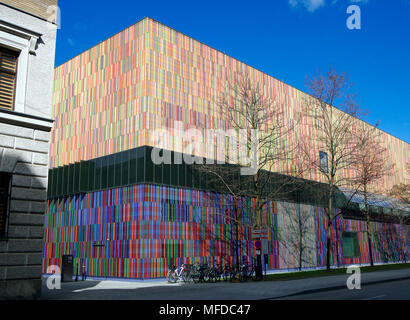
[77,270]
[84,273]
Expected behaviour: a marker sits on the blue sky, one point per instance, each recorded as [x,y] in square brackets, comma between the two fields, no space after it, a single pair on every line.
[288,39]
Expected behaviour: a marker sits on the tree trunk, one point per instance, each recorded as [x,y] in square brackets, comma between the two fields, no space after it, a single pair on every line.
[329,228]
[337,243]
[369,240]
[405,241]
[328,244]
[238,237]
[300,239]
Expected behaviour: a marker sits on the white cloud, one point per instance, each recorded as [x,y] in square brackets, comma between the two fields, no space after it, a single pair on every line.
[313,5]
[293,3]
[310,5]
[71,42]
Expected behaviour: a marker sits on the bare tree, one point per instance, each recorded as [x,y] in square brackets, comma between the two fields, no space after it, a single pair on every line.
[331,113]
[388,242]
[372,163]
[402,191]
[401,210]
[296,234]
[259,136]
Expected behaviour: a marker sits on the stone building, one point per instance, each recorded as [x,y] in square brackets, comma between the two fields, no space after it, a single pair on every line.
[27,48]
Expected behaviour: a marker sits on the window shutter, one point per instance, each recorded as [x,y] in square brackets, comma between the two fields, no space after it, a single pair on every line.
[8,72]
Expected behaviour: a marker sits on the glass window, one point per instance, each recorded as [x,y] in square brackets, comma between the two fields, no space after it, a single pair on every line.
[84,176]
[50,188]
[133,166]
[98,174]
[174,174]
[70,179]
[141,165]
[323,162]
[125,167]
[55,182]
[65,180]
[158,173]
[202,179]
[111,169]
[76,187]
[104,174]
[182,174]
[59,186]
[118,169]
[166,174]
[189,175]
[91,169]
[196,176]
[149,166]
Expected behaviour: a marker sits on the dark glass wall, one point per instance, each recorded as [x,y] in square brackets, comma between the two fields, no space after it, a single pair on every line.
[121,169]
[136,166]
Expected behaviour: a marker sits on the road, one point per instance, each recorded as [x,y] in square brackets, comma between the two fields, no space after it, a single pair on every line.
[393,290]
[265,290]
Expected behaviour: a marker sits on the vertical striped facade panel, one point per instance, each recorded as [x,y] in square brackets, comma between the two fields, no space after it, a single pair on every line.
[145,228]
[112,97]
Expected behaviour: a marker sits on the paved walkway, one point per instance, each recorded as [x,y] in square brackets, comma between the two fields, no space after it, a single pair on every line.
[161,290]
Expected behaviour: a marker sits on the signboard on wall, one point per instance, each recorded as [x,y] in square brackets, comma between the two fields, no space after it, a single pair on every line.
[259,234]
[261,246]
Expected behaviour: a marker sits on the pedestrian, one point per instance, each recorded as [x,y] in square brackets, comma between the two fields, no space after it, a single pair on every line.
[77,271]
[84,273]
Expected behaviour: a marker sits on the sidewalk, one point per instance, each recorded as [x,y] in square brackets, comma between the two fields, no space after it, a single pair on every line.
[161,290]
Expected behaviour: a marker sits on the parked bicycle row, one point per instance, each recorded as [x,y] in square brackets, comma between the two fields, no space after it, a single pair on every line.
[204,273]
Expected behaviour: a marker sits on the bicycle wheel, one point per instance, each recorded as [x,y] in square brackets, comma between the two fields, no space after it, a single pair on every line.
[172,277]
[233,276]
[206,276]
[196,277]
[252,274]
[243,276]
[225,275]
[213,276]
[187,276]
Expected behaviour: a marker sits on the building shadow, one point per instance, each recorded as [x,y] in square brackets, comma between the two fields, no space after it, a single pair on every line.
[23,197]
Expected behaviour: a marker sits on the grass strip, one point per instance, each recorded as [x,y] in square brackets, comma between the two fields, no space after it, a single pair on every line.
[332,272]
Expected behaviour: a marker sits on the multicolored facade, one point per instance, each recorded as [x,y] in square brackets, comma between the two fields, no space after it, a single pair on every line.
[104,190]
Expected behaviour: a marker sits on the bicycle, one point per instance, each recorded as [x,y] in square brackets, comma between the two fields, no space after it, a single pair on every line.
[181,273]
[235,274]
[201,273]
[226,274]
[215,273]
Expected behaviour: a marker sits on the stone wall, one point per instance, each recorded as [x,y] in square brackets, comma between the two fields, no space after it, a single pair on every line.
[24,148]
[23,152]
